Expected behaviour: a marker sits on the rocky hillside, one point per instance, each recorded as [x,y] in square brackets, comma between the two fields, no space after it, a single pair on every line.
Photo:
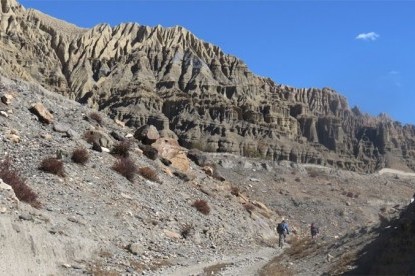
[190,89]
[84,194]
[102,214]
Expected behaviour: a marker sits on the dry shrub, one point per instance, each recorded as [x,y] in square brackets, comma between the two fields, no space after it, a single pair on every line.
[90,137]
[249,207]
[235,191]
[21,189]
[297,179]
[52,165]
[148,173]
[96,117]
[186,230]
[126,167]
[122,148]
[276,267]
[80,156]
[342,263]
[301,247]
[202,206]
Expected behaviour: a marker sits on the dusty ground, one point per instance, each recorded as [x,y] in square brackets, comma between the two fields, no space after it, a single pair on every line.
[95,221]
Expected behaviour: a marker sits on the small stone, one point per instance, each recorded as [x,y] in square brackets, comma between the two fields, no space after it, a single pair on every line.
[4,114]
[25,217]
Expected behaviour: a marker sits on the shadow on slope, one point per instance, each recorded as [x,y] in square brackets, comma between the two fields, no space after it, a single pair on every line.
[393,252]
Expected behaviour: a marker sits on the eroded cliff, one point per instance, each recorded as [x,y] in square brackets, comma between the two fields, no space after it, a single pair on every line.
[191,89]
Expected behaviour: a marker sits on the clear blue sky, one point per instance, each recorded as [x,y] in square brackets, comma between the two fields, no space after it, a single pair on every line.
[363,49]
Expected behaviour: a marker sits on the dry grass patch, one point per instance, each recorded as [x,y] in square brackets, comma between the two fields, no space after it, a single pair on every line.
[202,206]
[300,248]
[149,174]
[122,149]
[126,167]
[52,165]
[11,177]
[275,268]
[96,117]
[343,262]
[235,191]
[80,156]
[91,137]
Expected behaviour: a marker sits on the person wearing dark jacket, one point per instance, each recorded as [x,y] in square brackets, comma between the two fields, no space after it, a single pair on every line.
[282,230]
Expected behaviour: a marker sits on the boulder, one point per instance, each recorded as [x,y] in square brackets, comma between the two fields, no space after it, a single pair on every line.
[42,113]
[170,149]
[198,157]
[147,134]
[98,137]
[149,151]
[7,99]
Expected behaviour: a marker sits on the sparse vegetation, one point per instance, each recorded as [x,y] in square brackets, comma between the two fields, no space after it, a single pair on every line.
[276,267]
[235,191]
[126,167]
[148,173]
[202,206]
[186,230]
[89,136]
[52,165]
[11,177]
[122,148]
[80,156]
[96,117]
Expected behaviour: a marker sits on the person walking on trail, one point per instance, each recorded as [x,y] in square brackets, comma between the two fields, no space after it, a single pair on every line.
[282,229]
[314,230]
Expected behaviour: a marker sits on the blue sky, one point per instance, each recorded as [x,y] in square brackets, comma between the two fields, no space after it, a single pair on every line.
[362,49]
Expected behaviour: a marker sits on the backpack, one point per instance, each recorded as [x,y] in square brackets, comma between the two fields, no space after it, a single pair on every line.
[280,228]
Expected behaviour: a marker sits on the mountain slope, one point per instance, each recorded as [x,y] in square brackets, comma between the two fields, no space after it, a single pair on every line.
[171,79]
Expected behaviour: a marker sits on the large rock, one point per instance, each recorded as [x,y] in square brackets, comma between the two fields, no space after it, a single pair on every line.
[172,151]
[147,134]
[42,113]
[99,138]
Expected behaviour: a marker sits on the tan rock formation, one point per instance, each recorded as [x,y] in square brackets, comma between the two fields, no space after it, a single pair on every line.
[169,78]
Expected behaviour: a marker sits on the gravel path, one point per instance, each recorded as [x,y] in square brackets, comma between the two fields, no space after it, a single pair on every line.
[242,264]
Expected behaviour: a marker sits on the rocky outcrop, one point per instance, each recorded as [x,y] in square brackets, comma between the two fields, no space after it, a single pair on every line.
[190,89]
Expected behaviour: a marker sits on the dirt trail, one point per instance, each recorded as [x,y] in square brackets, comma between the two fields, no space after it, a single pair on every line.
[242,264]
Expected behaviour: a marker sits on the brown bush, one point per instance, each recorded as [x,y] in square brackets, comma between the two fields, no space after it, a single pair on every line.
[122,148]
[148,173]
[80,156]
[21,189]
[235,191]
[52,165]
[202,206]
[126,167]
[90,137]
[96,117]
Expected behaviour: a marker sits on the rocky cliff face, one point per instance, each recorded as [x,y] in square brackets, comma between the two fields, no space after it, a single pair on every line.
[190,88]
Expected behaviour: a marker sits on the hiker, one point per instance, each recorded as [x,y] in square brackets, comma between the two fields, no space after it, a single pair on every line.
[314,230]
[282,229]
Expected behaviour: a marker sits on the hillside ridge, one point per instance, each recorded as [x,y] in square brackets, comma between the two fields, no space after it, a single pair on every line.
[191,89]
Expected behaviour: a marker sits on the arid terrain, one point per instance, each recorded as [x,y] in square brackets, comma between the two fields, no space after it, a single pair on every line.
[93,220]
[135,150]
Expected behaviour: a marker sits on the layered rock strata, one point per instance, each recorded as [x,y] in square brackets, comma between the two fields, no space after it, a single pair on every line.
[169,78]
